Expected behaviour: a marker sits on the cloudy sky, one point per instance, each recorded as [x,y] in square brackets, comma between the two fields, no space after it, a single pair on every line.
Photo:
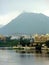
[9,9]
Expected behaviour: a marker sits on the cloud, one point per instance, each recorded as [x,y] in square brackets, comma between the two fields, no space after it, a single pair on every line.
[46,12]
[4,19]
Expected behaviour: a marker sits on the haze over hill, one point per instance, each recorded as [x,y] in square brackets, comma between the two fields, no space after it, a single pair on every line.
[29,23]
[1,26]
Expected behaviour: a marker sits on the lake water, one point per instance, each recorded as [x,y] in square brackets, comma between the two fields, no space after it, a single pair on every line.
[10,57]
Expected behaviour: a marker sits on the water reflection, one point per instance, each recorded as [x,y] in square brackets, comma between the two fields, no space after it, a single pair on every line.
[10,57]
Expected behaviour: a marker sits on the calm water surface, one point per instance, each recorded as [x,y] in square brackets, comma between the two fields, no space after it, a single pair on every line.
[10,57]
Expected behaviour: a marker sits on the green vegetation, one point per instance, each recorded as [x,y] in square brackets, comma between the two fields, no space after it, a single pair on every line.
[47,43]
[9,43]
[23,42]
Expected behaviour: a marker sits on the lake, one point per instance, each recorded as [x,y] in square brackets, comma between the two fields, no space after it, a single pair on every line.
[10,57]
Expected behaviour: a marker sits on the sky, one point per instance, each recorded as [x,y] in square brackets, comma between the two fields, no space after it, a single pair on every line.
[9,9]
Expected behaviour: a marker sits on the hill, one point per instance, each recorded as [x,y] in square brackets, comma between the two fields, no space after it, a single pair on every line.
[29,23]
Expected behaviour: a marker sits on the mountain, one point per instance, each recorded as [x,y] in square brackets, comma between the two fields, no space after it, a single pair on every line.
[29,23]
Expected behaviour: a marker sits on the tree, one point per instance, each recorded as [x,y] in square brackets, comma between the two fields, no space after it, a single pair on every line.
[24,42]
[21,41]
[47,43]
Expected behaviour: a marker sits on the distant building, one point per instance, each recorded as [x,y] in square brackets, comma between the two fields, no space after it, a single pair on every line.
[2,38]
[40,38]
[15,37]
[26,36]
[47,35]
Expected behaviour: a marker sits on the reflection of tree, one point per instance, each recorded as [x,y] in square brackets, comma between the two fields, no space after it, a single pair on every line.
[38,48]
